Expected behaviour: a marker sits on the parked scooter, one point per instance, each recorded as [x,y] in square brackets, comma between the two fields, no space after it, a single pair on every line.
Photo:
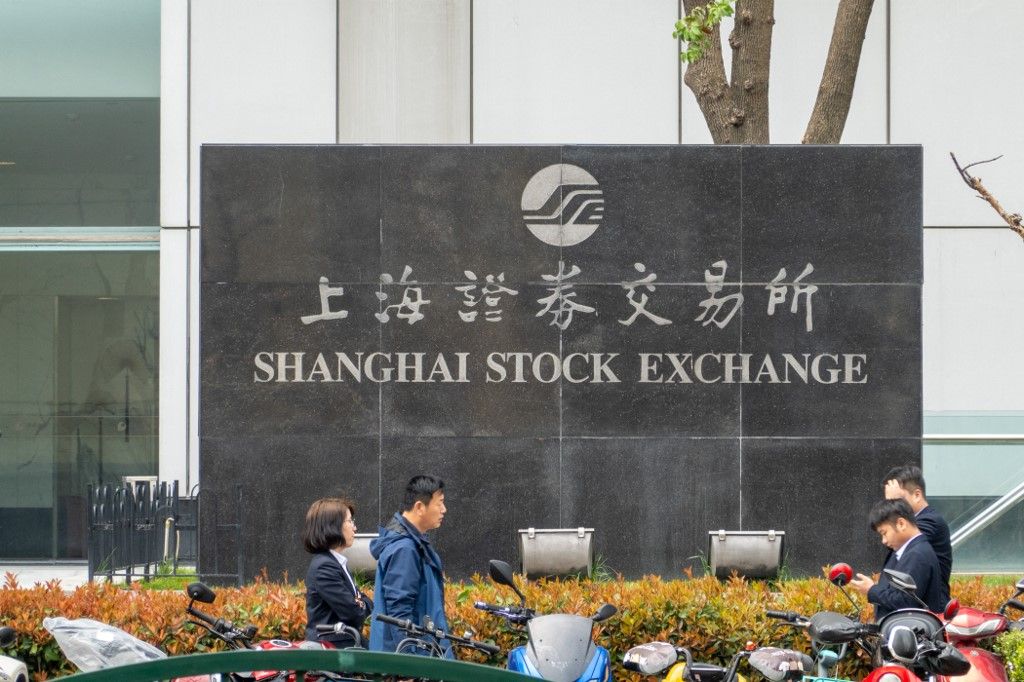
[970,626]
[429,640]
[244,638]
[560,646]
[776,665]
[11,668]
[910,644]
[831,634]
[91,645]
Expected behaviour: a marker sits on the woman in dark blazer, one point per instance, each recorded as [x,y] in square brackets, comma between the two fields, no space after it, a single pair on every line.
[331,594]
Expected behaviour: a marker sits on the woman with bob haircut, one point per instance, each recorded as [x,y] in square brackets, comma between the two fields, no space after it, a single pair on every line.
[331,594]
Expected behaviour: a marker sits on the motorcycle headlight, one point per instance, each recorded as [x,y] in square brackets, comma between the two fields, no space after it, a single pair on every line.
[889,677]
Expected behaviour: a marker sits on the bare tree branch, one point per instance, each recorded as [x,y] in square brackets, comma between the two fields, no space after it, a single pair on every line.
[1014,220]
[751,43]
[706,78]
[836,90]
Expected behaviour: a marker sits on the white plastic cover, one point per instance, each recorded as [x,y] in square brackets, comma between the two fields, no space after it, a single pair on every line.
[92,645]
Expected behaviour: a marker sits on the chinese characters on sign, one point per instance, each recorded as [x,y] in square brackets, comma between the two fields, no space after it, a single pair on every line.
[485,295]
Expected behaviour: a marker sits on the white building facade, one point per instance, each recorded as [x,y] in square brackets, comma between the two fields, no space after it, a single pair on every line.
[104,105]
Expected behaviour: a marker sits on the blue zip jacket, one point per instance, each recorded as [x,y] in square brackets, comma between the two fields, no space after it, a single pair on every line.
[409,583]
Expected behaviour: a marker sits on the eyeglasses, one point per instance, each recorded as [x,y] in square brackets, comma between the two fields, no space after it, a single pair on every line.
[351,520]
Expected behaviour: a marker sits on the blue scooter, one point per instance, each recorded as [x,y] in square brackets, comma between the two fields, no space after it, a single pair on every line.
[560,646]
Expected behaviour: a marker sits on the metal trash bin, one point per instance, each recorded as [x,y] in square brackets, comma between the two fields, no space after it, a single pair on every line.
[359,558]
[750,553]
[556,551]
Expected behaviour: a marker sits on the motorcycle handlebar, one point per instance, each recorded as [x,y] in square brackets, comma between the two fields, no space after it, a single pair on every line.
[1014,604]
[791,618]
[218,624]
[437,633]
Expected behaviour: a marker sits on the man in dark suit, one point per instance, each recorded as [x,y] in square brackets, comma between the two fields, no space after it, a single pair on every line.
[907,483]
[895,523]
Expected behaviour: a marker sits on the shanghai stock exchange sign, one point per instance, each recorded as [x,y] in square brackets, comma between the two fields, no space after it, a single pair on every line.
[653,341]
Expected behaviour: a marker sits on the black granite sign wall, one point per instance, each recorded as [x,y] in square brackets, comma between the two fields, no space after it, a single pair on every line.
[654,341]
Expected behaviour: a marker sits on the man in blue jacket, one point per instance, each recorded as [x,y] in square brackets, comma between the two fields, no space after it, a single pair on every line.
[911,553]
[409,583]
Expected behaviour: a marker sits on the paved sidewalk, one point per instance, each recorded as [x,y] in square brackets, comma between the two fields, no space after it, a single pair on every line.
[70,573]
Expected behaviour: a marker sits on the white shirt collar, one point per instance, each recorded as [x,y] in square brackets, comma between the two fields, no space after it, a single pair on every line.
[343,560]
[899,552]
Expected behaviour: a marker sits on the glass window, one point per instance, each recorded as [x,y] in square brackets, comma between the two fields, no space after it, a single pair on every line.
[79,266]
[78,388]
[974,468]
[79,112]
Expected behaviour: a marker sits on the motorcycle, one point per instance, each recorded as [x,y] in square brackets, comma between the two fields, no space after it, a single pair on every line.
[243,638]
[970,626]
[831,634]
[11,669]
[429,640]
[91,645]
[776,665]
[560,646]
[910,644]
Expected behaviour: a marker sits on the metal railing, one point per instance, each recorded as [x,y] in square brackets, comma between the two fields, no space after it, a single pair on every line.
[140,530]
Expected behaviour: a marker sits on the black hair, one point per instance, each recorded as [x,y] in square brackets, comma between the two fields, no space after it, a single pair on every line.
[889,511]
[909,476]
[323,524]
[421,489]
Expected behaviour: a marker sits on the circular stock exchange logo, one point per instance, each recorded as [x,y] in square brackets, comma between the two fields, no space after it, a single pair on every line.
[562,205]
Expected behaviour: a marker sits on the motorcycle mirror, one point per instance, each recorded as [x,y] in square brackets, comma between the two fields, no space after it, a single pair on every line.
[840,574]
[200,592]
[952,608]
[902,644]
[604,613]
[901,581]
[6,636]
[501,573]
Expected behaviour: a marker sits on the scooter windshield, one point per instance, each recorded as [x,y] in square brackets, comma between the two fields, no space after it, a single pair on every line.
[560,646]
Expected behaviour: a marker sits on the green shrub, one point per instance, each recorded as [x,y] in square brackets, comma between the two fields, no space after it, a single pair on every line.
[714,618]
[1010,646]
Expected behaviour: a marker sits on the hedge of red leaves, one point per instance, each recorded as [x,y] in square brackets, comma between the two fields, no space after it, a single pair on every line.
[714,618]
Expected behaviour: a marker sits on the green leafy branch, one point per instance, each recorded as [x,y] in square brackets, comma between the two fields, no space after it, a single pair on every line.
[695,28]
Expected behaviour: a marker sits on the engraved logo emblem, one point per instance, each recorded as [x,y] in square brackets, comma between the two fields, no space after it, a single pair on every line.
[562,205]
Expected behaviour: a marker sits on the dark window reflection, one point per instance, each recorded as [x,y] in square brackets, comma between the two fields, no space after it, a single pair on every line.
[79,162]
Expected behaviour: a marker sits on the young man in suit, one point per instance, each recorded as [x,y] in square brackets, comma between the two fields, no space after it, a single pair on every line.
[907,483]
[895,524]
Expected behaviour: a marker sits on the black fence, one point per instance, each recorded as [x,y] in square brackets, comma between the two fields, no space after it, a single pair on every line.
[140,531]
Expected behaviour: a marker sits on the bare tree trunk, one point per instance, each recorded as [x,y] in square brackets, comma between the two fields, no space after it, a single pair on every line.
[706,78]
[751,42]
[836,90]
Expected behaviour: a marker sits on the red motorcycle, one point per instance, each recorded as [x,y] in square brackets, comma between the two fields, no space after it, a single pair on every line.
[969,626]
[236,638]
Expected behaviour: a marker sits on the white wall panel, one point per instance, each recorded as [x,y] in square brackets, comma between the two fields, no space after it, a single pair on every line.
[957,87]
[800,40]
[973,293]
[195,248]
[174,345]
[261,71]
[174,113]
[403,71]
[575,71]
